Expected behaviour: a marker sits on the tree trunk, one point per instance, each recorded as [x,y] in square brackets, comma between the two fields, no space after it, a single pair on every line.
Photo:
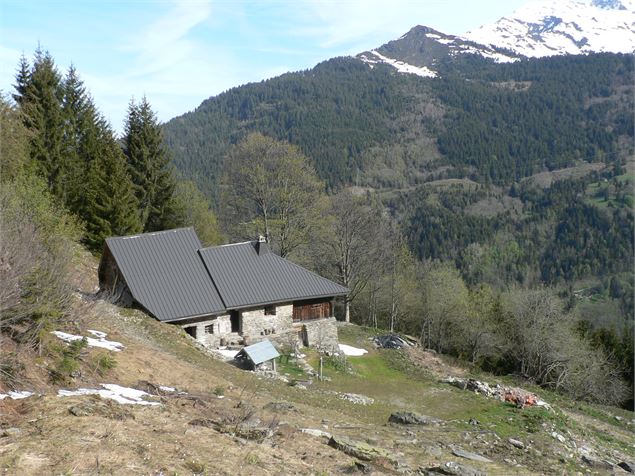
[347,309]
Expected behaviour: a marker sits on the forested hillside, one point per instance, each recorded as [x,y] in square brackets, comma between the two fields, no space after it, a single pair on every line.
[495,122]
[518,175]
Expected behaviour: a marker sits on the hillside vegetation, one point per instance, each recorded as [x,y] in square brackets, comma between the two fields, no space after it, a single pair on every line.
[518,175]
[257,424]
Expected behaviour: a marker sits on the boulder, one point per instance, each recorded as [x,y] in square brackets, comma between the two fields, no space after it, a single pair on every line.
[280,407]
[411,418]
[390,341]
[456,469]
[360,450]
[469,455]
[357,399]
[517,443]
[597,463]
[316,432]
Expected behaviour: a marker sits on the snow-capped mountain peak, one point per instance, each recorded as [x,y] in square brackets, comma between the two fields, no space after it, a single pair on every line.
[419,51]
[546,28]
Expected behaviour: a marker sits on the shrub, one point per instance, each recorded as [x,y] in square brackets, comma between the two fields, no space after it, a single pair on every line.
[104,362]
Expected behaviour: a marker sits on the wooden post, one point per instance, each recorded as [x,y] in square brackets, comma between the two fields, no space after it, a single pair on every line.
[321,367]
[274,364]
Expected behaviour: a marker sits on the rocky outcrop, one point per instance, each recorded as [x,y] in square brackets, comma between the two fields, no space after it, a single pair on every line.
[411,418]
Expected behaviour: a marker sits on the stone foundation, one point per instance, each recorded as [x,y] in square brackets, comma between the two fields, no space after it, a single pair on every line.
[256,325]
[319,333]
[214,331]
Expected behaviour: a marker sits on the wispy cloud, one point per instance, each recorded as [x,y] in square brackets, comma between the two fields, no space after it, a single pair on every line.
[167,64]
[180,52]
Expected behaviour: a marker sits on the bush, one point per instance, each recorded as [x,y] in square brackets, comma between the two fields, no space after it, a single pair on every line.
[36,245]
[104,363]
[69,361]
[219,391]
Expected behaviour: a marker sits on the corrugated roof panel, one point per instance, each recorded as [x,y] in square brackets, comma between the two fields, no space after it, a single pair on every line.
[245,278]
[260,352]
[165,273]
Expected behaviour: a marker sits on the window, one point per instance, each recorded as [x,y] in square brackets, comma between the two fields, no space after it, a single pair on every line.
[191,331]
[270,310]
[209,329]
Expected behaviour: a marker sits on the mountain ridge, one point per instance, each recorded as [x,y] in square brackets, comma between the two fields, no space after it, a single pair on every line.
[545,28]
[536,29]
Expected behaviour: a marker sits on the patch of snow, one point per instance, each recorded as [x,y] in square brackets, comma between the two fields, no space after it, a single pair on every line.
[401,66]
[547,28]
[167,389]
[78,392]
[487,53]
[352,351]
[123,395]
[16,395]
[92,342]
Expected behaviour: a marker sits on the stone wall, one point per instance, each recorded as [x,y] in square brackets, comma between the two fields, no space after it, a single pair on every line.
[214,331]
[320,333]
[257,326]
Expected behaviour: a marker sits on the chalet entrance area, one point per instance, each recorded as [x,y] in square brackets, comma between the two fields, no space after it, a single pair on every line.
[234,318]
[310,310]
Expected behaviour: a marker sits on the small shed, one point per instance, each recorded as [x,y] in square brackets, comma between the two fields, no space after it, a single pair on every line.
[258,356]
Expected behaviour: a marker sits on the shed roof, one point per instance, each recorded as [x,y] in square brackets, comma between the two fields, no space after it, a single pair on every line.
[165,274]
[248,274]
[259,353]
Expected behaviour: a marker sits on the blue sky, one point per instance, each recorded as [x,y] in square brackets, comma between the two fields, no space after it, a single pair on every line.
[179,53]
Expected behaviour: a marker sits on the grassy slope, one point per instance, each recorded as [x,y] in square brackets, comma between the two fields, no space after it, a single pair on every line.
[119,439]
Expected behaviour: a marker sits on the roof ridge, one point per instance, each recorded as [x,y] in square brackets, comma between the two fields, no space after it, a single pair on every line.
[227,244]
[151,233]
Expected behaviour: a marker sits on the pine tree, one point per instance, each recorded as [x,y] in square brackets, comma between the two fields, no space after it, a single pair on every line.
[148,165]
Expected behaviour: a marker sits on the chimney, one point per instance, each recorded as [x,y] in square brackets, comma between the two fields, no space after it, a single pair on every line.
[262,248]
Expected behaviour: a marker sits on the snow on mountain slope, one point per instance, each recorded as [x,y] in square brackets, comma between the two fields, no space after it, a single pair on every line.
[374,57]
[546,28]
[420,50]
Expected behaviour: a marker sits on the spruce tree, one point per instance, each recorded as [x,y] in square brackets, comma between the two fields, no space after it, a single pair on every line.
[39,94]
[22,80]
[111,206]
[81,144]
[148,165]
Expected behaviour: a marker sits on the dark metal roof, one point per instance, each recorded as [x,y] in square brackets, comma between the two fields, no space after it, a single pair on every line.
[259,353]
[246,278]
[165,274]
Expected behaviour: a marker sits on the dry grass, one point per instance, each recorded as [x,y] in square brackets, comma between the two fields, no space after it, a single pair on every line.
[42,436]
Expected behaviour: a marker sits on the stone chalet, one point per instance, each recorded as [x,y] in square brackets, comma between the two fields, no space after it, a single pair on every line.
[236,294]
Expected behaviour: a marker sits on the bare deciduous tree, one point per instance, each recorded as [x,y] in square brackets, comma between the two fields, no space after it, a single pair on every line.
[353,244]
[269,187]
